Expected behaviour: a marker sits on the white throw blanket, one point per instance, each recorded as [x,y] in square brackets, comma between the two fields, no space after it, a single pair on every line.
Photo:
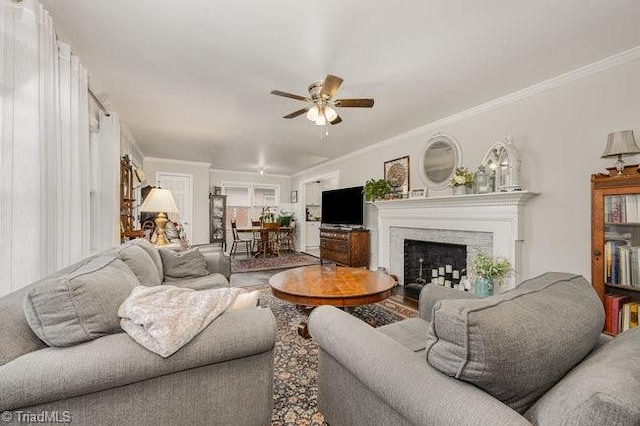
[164,318]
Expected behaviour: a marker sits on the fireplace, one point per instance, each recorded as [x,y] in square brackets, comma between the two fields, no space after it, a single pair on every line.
[430,262]
[490,222]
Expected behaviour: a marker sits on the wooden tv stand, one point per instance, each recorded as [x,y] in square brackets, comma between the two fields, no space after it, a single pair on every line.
[348,247]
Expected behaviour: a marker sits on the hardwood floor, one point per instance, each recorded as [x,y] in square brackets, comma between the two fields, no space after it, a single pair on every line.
[398,296]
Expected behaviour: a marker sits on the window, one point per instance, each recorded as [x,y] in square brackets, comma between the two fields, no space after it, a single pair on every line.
[245,201]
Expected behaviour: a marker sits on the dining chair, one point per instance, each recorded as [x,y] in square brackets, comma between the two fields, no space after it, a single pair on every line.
[237,240]
[257,235]
[272,236]
[287,238]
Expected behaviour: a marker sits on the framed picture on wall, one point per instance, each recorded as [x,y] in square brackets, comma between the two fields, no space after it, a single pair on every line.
[396,172]
[418,193]
[294,196]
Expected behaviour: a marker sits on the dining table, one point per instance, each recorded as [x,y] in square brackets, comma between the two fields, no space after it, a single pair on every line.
[264,234]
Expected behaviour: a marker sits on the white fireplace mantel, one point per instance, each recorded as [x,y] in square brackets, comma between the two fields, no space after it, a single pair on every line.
[499,213]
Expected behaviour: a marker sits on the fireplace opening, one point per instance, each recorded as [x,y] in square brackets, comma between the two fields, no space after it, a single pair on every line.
[426,262]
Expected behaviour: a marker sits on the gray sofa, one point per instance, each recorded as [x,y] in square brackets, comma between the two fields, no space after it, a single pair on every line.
[533,355]
[62,351]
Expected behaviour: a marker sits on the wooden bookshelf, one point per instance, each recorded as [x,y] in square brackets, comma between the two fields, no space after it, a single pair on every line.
[615,241]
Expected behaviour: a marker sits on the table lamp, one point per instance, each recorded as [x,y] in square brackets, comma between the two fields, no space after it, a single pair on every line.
[619,144]
[161,201]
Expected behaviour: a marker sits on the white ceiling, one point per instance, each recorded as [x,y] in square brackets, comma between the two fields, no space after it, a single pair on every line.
[192,79]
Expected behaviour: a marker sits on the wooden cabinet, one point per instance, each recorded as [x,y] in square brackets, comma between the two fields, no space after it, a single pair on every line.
[218,219]
[615,245]
[127,201]
[346,247]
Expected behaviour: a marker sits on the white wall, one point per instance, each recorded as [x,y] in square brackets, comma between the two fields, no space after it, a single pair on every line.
[200,172]
[560,128]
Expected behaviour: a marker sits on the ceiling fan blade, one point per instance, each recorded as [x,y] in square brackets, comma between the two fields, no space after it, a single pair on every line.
[289,95]
[330,86]
[297,113]
[336,120]
[354,103]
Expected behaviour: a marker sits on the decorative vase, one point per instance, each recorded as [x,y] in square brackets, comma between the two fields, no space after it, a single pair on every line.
[460,190]
[484,286]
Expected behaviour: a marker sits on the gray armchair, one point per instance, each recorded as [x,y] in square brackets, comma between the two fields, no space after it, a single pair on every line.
[533,355]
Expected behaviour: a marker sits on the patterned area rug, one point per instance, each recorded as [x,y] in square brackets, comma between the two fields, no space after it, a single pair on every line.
[296,359]
[285,260]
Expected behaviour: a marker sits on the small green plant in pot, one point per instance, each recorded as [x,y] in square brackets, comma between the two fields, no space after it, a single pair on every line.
[487,271]
[285,218]
[376,189]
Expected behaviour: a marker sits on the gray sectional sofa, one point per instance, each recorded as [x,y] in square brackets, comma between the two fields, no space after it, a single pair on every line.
[62,350]
[533,355]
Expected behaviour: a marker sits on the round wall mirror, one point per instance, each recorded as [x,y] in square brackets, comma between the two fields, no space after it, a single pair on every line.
[440,158]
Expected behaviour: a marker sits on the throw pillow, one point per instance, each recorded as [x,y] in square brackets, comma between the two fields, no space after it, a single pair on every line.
[152,251]
[81,305]
[518,344]
[602,390]
[140,263]
[186,264]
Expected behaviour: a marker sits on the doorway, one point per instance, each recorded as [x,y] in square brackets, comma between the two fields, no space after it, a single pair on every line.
[311,194]
[181,187]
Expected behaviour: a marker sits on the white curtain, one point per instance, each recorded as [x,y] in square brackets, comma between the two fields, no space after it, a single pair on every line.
[44,152]
[108,214]
[21,191]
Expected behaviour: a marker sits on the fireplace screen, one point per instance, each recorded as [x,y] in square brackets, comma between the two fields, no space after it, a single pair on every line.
[426,262]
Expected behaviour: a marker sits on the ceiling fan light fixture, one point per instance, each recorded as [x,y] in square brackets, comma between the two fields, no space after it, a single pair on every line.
[330,113]
[313,113]
[321,120]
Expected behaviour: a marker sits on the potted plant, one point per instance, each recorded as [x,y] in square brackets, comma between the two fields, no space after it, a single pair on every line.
[461,181]
[376,189]
[488,270]
[285,218]
[267,216]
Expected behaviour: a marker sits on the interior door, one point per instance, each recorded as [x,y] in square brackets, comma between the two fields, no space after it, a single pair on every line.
[181,187]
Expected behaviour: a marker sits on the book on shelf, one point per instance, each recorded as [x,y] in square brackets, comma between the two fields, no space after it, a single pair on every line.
[621,263]
[614,309]
[622,208]
[633,314]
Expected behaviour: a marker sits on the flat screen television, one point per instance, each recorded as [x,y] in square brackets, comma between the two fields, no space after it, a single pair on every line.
[343,207]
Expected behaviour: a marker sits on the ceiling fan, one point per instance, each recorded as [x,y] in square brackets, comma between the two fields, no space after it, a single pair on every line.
[322,105]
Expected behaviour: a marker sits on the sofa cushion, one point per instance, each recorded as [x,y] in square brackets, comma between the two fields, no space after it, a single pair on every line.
[141,264]
[410,333]
[214,280]
[16,337]
[186,264]
[603,389]
[82,305]
[152,251]
[518,344]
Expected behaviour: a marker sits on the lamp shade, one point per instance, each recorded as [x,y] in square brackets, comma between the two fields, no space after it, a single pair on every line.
[330,113]
[620,143]
[159,200]
[312,114]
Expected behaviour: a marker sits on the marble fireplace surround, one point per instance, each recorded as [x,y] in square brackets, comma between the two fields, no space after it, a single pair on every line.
[493,222]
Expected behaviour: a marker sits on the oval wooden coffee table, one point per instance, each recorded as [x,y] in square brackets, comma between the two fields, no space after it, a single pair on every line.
[331,285]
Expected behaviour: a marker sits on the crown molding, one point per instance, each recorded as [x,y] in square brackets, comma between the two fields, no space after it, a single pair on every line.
[181,162]
[605,64]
